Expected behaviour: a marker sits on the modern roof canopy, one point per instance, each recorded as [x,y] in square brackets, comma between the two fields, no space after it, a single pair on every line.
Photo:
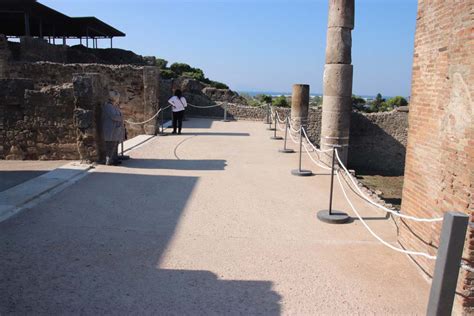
[31,18]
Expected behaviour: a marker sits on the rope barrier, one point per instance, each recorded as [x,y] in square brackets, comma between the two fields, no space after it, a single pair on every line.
[144,122]
[408,252]
[204,107]
[438,219]
[314,161]
[312,145]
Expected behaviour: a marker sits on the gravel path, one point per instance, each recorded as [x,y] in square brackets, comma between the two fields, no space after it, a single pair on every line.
[208,222]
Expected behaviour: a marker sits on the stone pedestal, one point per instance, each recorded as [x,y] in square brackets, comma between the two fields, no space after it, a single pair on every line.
[299,106]
[151,80]
[337,92]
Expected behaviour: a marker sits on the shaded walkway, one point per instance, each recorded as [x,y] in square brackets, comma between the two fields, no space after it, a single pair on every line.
[205,224]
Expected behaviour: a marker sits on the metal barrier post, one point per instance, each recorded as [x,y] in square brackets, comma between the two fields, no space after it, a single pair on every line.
[122,156]
[300,172]
[286,150]
[275,137]
[270,128]
[448,259]
[329,215]
[267,119]
[225,113]
[162,132]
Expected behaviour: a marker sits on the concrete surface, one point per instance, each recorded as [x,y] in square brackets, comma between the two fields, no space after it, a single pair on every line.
[14,172]
[14,199]
[208,222]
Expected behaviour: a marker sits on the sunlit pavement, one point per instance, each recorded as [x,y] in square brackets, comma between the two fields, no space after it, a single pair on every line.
[207,222]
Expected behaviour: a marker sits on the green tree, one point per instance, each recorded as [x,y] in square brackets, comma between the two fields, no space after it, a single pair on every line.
[316,101]
[180,68]
[280,101]
[161,63]
[377,104]
[397,101]
[358,102]
[168,74]
[219,85]
[264,98]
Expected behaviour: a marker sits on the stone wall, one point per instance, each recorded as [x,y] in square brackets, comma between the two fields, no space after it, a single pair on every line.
[439,173]
[377,142]
[36,124]
[128,80]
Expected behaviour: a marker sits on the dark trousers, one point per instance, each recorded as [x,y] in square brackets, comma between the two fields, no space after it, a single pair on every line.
[178,121]
[111,152]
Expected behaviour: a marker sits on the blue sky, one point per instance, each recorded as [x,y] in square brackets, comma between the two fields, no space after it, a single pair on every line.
[263,45]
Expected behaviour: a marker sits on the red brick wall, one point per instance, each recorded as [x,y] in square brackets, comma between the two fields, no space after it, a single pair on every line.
[439,170]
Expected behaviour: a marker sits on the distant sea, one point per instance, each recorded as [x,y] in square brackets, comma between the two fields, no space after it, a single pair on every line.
[276,94]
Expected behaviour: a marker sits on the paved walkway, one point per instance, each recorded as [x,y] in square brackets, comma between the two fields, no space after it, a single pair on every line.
[13,172]
[208,222]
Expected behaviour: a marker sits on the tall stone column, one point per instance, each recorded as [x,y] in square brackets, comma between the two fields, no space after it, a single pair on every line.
[151,81]
[337,79]
[299,105]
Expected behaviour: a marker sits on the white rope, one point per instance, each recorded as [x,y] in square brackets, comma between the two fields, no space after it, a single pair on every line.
[293,129]
[292,139]
[279,119]
[315,161]
[144,122]
[409,252]
[438,219]
[467,267]
[204,107]
[314,147]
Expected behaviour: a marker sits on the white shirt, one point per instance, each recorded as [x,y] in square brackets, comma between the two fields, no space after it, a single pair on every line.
[178,104]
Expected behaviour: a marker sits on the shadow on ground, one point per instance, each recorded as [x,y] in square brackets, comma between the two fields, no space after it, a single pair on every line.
[176,164]
[9,179]
[95,249]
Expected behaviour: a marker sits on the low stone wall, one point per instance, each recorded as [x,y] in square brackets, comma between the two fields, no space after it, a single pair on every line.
[36,124]
[55,122]
[138,86]
[377,140]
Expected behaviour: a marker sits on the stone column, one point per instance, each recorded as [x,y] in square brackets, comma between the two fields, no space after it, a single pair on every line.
[337,79]
[299,106]
[151,81]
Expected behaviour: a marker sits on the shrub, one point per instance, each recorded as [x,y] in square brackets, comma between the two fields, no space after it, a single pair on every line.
[316,101]
[264,98]
[280,101]
[168,74]
[180,68]
[397,101]
[219,85]
[161,63]
[358,102]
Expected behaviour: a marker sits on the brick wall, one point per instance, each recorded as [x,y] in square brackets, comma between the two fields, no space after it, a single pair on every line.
[439,171]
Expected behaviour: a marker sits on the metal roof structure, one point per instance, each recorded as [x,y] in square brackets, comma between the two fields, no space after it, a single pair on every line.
[31,18]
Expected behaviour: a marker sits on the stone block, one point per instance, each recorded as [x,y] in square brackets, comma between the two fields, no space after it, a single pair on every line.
[337,80]
[338,46]
[341,13]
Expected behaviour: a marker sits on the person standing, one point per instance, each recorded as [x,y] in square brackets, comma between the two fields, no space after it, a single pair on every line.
[112,127]
[178,105]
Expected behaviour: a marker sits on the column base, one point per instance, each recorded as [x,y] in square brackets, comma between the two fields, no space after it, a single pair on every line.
[336,217]
[276,138]
[301,173]
[286,151]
